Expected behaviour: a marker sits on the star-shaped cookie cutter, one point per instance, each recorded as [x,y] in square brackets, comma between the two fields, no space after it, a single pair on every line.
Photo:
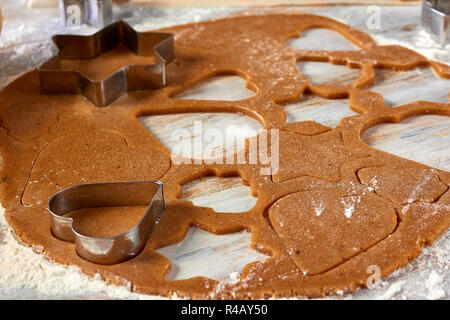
[114,249]
[55,80]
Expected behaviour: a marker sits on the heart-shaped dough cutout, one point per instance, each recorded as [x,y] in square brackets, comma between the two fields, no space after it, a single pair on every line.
[322,229]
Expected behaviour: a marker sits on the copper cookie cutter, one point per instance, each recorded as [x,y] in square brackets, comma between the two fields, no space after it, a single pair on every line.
[114,249]
[55,80]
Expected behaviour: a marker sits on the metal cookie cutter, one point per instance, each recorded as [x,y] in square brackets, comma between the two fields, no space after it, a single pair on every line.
[55,80]
[436,19]
[118,248]
[97,13]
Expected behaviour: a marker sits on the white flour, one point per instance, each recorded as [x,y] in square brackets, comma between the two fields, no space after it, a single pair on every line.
[433,284]
[422,42]
[394,288]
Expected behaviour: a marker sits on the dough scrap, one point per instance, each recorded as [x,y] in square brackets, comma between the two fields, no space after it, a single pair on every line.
[404,185]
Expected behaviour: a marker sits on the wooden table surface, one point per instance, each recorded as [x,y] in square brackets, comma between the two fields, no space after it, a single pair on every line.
[424,138]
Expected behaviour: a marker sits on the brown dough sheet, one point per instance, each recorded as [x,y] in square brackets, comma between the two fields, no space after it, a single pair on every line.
[52,142]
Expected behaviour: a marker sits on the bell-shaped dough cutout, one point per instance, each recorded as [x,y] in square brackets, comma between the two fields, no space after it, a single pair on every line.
[327,112]
[223,87]
[424,139]
[327,73]
[218,257]
[221,194]
[321,39]
[402,87]
[202,135]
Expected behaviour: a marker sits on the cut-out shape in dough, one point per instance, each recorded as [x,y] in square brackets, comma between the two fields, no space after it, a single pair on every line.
[327,73]
[320,156]
[208,132]
[401,87]
[327,112]
[205,254]
[321,39]
[321,229]
[404,184]
[425,139]
[93,156]
[36,117]
[221,194]
[223,87]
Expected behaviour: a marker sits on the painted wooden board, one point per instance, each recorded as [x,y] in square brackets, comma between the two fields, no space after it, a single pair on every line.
[222,257]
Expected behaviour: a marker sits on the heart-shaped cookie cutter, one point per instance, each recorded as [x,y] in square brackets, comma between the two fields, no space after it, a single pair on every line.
[114,249]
